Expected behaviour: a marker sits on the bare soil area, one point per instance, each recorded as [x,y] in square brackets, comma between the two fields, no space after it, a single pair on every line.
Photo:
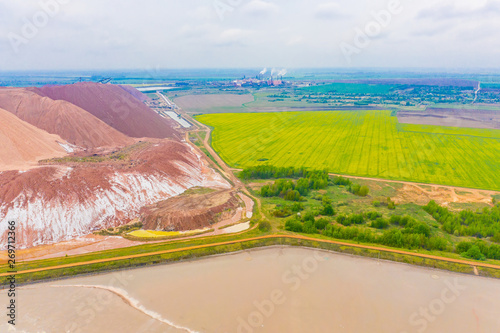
[197,102]
[189,212]
[412,193]
[471,118]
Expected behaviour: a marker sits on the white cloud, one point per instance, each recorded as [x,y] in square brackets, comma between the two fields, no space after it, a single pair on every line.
[232,37]
[254,33]
[295,40]
[329,11]
[473,9]
[260,8]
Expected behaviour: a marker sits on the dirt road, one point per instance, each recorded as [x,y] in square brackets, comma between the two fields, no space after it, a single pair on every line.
[224,168]
[420,255]
[414,183]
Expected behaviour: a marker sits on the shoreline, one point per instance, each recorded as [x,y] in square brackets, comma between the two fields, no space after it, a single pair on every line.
[425,265]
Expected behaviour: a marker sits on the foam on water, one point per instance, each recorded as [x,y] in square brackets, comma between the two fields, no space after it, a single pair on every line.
[132,302]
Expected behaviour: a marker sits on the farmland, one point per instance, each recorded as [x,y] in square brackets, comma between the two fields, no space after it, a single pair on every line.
[351,88]
[213,102]
[359,143]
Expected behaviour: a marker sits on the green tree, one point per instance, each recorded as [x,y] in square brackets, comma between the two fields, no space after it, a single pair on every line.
[328,210]
[293,225]
[474,253]
[321,224]
[363,191]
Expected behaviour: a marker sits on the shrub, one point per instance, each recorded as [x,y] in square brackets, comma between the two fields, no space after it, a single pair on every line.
[395,219]
[282,212]
[264,226]
[376,204]
[474,253]
[309,227]
[391,204]
[400,220]
[292,195]
[297,207]
[379,223]
[321,224]
[496,238]
[359,190]
[463,247]
[363,191]
[342,219]
[356,219]
[438,243]
[415,227]
[308,217]
[340,181]
[293,225]
[373,215]
[328,210]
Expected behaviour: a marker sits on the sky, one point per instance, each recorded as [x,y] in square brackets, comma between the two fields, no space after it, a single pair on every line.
[131,34]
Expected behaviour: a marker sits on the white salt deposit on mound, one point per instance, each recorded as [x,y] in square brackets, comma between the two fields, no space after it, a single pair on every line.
[58,203]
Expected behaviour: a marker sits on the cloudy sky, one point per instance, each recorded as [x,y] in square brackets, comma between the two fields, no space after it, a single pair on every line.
[113,34]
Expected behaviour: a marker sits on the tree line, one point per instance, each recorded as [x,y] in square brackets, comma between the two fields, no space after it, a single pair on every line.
[480,224]
[406,233]
[272,172]
[295,190]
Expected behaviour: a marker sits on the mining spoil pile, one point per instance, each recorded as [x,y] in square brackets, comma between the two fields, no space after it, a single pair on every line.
[189,212]
[73,124]
[116,107]
[107,178]
[22,144]
[136,93]
[61,202]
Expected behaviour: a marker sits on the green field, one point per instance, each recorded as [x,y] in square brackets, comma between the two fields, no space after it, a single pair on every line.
[350,88]
[360,143]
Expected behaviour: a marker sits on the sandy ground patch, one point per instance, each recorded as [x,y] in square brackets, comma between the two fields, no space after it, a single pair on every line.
[412,193]
[237,228]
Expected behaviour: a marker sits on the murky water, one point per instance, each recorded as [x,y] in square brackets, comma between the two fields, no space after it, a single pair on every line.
[270,290]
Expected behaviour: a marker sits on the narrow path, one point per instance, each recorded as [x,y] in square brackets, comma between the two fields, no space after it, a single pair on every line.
[224,168]
[477,92]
